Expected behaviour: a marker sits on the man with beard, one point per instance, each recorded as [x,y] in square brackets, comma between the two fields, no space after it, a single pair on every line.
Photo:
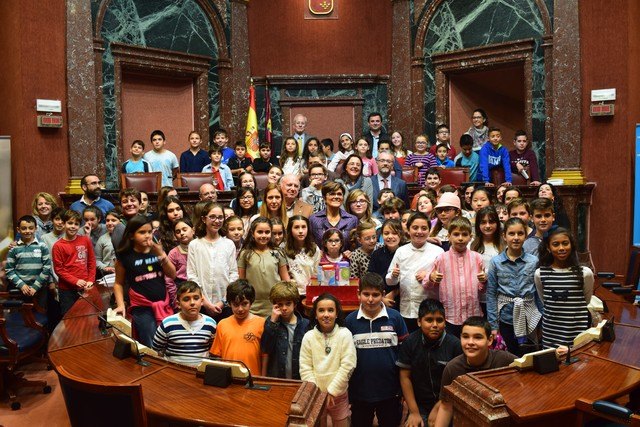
[90,185]
[375,132]
[384,179]
[290,186]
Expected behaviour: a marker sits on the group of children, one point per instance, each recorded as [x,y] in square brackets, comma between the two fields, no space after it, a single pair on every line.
[219,283]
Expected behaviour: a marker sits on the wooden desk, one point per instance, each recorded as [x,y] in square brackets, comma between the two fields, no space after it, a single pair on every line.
[172,393]
[506,396]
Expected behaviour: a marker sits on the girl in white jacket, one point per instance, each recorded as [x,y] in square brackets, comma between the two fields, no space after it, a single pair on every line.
[328,357]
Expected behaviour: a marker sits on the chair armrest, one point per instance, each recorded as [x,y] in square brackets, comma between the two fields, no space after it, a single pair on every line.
[29,319]
[8,342]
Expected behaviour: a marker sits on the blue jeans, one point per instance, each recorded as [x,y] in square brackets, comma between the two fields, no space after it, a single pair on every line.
[144,324]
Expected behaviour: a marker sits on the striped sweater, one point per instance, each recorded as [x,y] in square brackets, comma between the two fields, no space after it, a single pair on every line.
[182,341]
[29,265]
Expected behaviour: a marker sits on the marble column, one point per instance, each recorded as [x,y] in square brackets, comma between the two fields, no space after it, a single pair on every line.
[567,92]
[239,96]
[417,99]
[399,89]
[81,92]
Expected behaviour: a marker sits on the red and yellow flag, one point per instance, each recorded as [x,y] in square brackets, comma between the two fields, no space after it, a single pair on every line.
[251,134]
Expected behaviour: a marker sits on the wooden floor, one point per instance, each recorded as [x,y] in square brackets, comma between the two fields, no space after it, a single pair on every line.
[38,409]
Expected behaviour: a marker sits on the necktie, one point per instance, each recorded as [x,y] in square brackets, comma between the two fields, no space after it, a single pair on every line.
[385,183]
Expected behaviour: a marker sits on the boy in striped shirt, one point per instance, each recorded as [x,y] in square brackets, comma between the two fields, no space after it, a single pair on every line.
[28,265]
[186,336]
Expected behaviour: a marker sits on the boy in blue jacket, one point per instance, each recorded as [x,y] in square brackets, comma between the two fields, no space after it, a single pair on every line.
[283,332]
[493,155]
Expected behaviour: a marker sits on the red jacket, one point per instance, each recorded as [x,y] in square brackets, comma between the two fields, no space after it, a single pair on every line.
[73,260]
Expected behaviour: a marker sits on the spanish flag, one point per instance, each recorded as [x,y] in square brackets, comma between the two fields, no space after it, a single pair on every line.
[251,134]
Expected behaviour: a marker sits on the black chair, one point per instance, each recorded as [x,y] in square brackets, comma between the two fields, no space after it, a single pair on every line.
[97,404]
[630,279]
[22,339]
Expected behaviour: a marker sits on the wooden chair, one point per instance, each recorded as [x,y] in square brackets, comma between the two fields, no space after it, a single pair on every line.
[262,179]
[21,339]
[454,176]
[148,182]
[193,181]
[92,403]
[592,413]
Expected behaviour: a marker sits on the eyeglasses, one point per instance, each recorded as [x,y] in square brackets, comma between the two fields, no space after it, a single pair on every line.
[316,175]
[334,241]
[359,202]
[245,198]
[339,195]
[216,217]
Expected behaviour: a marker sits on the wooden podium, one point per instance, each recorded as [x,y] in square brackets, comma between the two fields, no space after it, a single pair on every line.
[172,393]
[506,396]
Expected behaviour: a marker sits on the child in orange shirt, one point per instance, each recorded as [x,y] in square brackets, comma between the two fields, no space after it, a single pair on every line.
[238,337]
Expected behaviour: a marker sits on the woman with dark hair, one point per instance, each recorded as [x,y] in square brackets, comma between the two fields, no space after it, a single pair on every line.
[479,129]
[246,206]
[352,178]
[548,191]
[333,215]
[169,212]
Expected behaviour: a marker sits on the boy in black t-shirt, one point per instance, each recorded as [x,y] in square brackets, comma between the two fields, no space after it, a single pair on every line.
[240,163]
[476,338]
[422,359]
[265,161]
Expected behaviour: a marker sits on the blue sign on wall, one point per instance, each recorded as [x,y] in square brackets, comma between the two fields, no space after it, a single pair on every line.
[636,198]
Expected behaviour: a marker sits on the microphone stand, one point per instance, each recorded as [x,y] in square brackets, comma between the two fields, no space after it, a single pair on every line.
[569,360]
[104,324]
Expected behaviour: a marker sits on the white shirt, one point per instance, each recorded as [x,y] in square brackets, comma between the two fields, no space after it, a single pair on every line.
[212,265]
[411,260]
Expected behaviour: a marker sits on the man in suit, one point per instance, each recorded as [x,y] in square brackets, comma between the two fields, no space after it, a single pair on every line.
[299,126]
[290,186]
[375,132]
[384,179]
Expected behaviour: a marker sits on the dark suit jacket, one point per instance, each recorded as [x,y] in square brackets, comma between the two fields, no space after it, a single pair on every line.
[367,135]
[398,186]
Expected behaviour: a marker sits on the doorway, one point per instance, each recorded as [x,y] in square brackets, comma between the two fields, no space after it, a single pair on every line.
[157,102]
[499,91]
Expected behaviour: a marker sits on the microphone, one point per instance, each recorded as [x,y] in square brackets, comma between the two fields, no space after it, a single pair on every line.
[104,324]
[239,373]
